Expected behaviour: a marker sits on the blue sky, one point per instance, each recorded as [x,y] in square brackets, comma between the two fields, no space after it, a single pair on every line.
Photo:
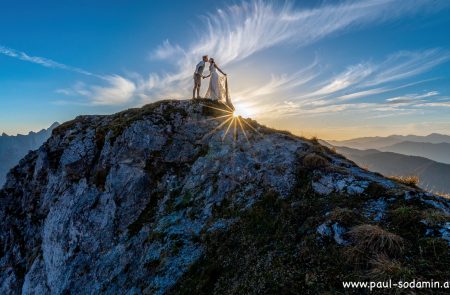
[332,69]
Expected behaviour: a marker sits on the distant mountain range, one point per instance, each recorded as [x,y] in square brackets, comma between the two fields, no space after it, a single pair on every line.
[439,152]
[427,157]
[377,142]
[433,176]
[14,148]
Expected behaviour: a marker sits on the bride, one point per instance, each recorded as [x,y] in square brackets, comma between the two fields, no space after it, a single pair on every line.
[218,85]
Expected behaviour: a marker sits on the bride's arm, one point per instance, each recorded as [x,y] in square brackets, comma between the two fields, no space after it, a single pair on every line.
[219,70]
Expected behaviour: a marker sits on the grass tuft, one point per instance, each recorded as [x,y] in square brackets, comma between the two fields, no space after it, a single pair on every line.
[344,216]
[434,217]
[314,139]
[405,216]
[314,161]
[411,180]
[384,268]
[373,239]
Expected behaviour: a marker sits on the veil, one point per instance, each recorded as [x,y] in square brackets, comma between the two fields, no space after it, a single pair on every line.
[218,90]
[227,94]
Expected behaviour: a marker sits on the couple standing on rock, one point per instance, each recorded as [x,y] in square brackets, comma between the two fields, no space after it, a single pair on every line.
[218,85]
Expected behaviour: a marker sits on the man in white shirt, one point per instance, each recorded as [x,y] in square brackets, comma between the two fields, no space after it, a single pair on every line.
[198,75]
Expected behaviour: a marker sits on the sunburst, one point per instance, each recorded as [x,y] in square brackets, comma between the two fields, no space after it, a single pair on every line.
[230,119]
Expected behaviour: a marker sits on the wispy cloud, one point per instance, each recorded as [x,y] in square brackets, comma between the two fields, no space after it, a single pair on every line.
[445,104]
[116,91]
[119,91]
[239,31]
[411,98]
[405,64]
[369,79]
[167,51]
[43,61]
[351,76]
[281,83]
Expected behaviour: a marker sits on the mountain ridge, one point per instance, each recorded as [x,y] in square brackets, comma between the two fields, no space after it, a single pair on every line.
[378,142]
[433,176]
[439,152]
[169,199]
[15,147]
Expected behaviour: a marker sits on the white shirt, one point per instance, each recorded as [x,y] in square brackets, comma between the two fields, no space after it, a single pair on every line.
[200,67]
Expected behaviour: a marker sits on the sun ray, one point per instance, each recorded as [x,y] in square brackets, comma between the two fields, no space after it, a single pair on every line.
[259,133]
[228,107]
[229,125]
[232,119]
[215,118]
[251,152]
[219,109]
[218,127]
[235,135]
[243,129]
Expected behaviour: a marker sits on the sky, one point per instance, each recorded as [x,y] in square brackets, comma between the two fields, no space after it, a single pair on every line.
[331,69]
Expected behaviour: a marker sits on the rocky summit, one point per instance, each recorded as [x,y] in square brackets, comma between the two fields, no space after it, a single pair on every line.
[179,197]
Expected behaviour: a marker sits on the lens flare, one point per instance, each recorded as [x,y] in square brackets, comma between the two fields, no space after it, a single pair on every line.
[233,119]
[243,110]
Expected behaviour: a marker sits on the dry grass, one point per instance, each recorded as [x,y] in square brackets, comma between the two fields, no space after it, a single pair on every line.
[314,161]
[405,216]
[356,257]
[444,195]
[384,268]
[318,149]
[365,167]
[373,239]
[344,216]
[406,180]
[314,139]
[434,217]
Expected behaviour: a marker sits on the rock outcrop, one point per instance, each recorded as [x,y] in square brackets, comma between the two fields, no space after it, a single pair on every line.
[167,199]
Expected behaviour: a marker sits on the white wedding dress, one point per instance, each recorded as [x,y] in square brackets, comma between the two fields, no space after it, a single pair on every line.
[218,88]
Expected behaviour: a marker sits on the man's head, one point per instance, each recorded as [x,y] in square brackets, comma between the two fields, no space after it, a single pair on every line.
[205,58]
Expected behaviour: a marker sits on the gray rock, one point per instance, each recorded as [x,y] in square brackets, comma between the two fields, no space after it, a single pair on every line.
[375,209]
[324,229]
[338,231]
[118,204]
[445,232]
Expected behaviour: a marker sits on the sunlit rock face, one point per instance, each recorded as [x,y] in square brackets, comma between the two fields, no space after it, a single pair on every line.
[182,197]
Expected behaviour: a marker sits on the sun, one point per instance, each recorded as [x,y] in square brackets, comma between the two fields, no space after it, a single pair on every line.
[243,110]
[234,121]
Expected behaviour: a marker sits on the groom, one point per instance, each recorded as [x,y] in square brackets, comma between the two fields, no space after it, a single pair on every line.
[198,75]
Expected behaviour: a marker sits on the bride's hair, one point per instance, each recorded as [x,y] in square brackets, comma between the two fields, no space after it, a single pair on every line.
[211,60]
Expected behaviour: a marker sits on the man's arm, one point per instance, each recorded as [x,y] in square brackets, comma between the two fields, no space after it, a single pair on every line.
[197,67]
